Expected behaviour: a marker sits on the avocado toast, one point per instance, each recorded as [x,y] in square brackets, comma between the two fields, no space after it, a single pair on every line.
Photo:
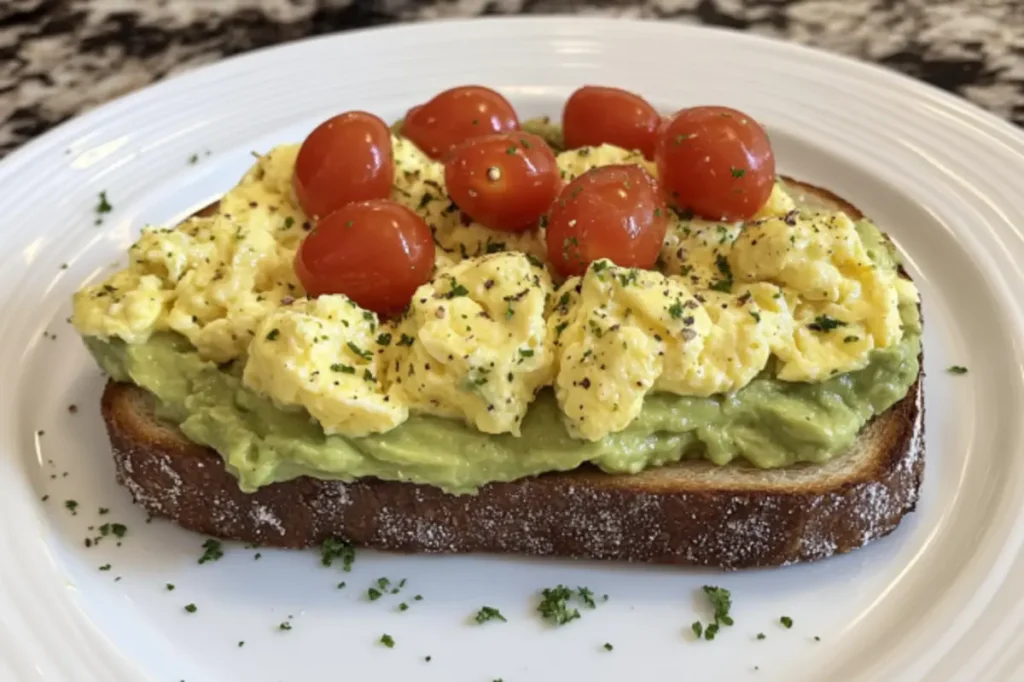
[690,512]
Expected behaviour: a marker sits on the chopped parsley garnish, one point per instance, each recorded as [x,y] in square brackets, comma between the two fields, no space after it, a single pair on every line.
[334,548]
[851,339]
[676,310]
[824,323]
[341,585]
[957,369]
[737,172]
[554,605]
[383,339]
[288,222]
[786,621]
[193,159]
[170,587]
[105,567]
[273,334]
[368,376]
[285,625]
[373,594]
[599,266]
[724,284]
[103,510]
[721,602]
[364,354]
[344,369]
[756,315]
[71,506]
[388,641]
[403,607]
[560,327]
[534,261]
[406,340]
[118,530]
[608,647]
[495,247]
[586,596]
[241,643]
[426,199]
[487,613]
[456,290]
[212,551]
[761,635]
[383,583]
[628,278]
[104,205]
[526,352]
[191,608]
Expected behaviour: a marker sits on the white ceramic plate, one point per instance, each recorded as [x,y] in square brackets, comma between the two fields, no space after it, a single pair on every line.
[941,599]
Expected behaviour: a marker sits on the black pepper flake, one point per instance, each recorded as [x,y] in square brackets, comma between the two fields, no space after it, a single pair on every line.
[585,383]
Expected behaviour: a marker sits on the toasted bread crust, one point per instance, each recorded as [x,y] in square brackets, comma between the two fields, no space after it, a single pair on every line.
[681,514]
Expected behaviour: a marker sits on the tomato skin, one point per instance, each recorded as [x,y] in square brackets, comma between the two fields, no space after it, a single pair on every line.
[613,212]
[506,181]
[716,162]
[456,115]
[596,115]
[346,158]
[375,252]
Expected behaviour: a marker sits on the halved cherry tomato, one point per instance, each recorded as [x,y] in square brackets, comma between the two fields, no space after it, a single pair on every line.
[346,158]
[506,181]
[716,162]
[375,252]
[457,115]
[613,212]
[597,115]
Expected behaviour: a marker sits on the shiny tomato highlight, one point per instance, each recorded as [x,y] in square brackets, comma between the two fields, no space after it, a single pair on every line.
[506,181]
[596,115]
[456,115]
[716,162]
[375,252]
[346,158]
[613,212]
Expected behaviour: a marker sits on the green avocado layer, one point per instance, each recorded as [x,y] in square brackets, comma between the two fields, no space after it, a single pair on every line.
[768,423]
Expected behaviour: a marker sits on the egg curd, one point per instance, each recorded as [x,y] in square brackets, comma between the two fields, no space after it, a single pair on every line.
[772,342]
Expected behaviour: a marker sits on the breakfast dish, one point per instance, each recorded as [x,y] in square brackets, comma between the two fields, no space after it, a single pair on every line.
[471,334]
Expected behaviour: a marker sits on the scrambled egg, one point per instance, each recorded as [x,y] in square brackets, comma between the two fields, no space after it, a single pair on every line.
[322,355]
[474,344]
[615,329]
[212,279]
[487,333]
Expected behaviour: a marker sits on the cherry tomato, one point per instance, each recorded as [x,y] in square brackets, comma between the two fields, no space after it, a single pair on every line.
[613,212]
[506,181]
[716,162]
[346,158]
[596,115]
[457,115]
[375,252]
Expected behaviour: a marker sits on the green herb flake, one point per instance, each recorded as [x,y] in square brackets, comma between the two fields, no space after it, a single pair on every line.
[384,339]
[71,506]
[957,369]
[388,641]
[285,625]
[273,334]
[373,594]
[103,206]
[786,621]
[489,613]
[676,310]
[721,602]
[824,323]
[756,315]
[406,340]
[553,606]
[241,643]
[526,352]
[335,548]
[344,369]
[761,635]
[212,551]
[737,172]
[191,608]
[403,607]
[170,587]
[698,629]
[586,596]
[105,567]
[364,354]
[608,646]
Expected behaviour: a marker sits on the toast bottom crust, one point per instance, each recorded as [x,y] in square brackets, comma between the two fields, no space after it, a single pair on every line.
[654,517]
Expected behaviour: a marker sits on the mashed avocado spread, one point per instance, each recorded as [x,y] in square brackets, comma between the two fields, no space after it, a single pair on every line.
[768,423]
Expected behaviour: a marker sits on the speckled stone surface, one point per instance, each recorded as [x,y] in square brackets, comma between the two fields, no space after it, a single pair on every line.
[61,57]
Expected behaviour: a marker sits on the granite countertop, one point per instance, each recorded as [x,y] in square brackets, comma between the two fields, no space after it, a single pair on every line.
[61,57]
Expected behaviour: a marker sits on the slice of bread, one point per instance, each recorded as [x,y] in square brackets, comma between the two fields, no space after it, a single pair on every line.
[733,516]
